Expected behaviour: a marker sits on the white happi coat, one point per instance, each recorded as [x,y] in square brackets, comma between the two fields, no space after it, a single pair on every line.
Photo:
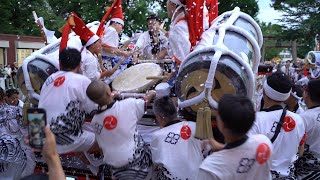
[16,158]
[308,165]
[179,43]
[144,43]
[89,65]
[287,143]
[248,161]
[111,39]
[63,96]
[176,153]
[116,129]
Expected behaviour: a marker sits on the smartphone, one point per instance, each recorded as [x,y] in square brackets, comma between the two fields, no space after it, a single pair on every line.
[37,123]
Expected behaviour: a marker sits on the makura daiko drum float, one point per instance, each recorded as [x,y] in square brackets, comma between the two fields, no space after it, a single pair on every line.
[224,62]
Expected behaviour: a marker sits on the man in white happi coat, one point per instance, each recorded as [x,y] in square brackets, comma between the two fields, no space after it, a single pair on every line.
[242,157]
[90,65]
[308,166]
[64,98]
[116,132]
[17,159]
[110,37]
[152,44]
[286,134]
[176,153]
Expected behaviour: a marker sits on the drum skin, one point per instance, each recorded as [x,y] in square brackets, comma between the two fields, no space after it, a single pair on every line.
[39,70]
[133,79]
[230,78]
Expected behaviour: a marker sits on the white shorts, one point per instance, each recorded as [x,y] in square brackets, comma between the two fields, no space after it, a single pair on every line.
[80,144]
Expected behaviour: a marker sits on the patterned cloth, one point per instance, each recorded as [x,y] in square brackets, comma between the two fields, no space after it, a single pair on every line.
[308,166]
[16,158]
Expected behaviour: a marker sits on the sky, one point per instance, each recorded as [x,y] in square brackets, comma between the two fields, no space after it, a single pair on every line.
[267,13]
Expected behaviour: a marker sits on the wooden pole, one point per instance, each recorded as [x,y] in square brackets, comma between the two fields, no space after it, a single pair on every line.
[43,34]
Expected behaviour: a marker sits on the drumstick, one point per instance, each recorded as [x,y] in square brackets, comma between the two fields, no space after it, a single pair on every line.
[155,77]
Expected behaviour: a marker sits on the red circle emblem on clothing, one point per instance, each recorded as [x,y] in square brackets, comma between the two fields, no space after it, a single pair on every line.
[185,132]
[263,153]
[59,81]
[110,122]
[288,124]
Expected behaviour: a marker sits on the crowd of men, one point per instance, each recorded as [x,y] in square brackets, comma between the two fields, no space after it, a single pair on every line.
[8,78]
[276,139]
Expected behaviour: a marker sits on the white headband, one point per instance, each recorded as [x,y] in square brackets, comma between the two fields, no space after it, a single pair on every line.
[275,95]
[294,94]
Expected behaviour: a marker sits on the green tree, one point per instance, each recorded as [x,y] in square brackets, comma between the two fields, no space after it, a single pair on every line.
[248,6]
[301,21]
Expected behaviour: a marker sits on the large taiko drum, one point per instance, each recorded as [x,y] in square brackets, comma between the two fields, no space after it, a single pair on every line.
[225,62]
[41,64]
[134,79]
[313,58]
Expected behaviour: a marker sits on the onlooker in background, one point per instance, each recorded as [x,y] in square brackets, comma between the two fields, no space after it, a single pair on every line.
[308,166]
[2,77]
[304,81]
[13,98]
[14,74]
[9,81]
[16,158]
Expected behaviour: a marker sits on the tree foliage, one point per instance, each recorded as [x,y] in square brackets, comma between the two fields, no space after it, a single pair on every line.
[301,21]
[16,15]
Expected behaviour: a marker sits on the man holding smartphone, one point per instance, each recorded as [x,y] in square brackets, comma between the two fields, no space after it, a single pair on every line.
[64,98]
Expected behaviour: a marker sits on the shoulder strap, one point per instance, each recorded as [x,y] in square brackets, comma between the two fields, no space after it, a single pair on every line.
[280,123]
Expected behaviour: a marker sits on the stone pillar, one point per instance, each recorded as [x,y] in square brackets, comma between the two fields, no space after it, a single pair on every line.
[294,50]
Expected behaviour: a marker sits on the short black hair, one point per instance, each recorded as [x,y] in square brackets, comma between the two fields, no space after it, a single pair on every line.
[69,58]
[154,16]
[298,90]
[280,82]
[237,113]
[11,92]
[313,89]
[165,107]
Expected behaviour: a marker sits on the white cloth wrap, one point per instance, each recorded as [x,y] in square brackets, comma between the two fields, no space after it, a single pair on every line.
[275,95]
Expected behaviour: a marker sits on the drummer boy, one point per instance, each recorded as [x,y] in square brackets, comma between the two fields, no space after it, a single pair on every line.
[116,132]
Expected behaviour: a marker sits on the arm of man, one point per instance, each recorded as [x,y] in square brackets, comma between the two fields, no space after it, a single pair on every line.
[162,54]
[51,157]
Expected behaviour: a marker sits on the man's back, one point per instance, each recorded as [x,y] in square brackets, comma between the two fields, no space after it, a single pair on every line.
[249,159]
[64,98]
[176,152]
[287,143]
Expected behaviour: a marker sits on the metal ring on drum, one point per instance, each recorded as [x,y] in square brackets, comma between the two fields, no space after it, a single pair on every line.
[134,79]
[221,67]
